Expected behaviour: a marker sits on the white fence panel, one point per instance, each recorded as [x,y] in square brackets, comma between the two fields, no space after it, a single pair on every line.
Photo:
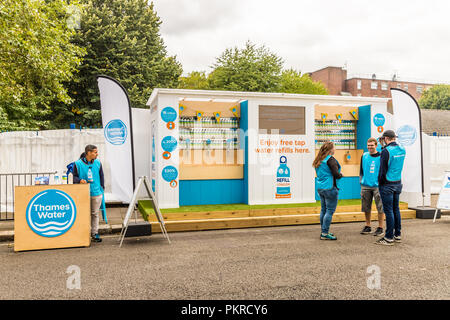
[46,151]
[439,161]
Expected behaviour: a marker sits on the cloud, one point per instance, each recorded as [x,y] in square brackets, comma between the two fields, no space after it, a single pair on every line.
[186,16]
[410,37]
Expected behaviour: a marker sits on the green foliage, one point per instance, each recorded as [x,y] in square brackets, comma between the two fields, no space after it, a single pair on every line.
[249,69]
[36,58]
[252,69]
[122,41]
[293,81]
[194,80]
[437,97]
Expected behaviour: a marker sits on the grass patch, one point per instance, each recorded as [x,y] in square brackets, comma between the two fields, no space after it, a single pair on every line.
[145,206]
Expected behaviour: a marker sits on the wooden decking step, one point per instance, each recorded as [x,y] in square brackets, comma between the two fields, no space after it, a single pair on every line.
[264,221]
[176,216]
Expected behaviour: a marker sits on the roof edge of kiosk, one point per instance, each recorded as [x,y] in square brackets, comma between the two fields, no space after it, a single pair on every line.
[245,95]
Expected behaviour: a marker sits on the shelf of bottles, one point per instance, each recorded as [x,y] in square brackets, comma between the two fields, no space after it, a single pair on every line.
[342,134]
[208,133]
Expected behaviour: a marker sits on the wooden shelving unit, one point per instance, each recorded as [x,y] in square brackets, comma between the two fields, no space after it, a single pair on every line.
[209,146]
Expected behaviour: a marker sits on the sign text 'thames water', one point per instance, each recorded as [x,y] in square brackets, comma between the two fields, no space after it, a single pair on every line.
[51,213]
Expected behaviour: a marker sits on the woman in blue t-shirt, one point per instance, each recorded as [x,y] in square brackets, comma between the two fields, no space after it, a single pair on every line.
[328,172]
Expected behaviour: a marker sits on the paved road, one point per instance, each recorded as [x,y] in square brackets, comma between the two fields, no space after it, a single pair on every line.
[262,263]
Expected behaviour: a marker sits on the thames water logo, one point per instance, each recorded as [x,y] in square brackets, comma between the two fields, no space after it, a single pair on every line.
[116,132]
[51,213]
[407,135]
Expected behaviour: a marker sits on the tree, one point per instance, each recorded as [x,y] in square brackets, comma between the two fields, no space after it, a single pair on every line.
[122,41]
[437,97]
[194,80]
[249,69]
[36,58]
[293,81]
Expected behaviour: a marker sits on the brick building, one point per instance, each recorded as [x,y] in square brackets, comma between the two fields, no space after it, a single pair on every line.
[335,79]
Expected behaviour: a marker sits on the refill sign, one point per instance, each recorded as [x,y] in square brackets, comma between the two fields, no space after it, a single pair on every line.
[51,213]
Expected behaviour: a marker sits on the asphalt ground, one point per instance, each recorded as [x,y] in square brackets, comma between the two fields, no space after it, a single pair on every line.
[256,263]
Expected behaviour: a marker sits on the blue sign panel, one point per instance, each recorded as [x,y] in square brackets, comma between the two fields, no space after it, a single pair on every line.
[168,114]
[51,213]
[379,120]
[169,143]
[169,173]
[116,132]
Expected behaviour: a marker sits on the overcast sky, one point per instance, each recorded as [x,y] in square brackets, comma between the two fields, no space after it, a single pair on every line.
[410,37]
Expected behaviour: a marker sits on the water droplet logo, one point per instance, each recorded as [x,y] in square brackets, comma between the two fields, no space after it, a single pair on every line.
[51,213]
[116,132]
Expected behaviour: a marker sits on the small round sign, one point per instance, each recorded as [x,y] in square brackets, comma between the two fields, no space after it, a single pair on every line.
[173,183]
[169,143]
[380,129]
[166,155]
[169,173]
[379,120]
[168,114]
[170,125]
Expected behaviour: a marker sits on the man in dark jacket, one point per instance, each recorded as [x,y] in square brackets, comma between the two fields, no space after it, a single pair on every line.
[390,186]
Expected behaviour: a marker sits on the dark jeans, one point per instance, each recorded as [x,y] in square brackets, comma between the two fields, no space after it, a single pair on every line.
[328,202]
[390,196]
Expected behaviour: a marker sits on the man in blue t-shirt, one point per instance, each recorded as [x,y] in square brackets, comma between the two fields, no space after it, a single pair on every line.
[88,169]
[390,186]
[368,175]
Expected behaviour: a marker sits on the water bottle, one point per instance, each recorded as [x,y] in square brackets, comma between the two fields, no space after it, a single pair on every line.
[56,179]
[70,178]
[63,178]
[90,178]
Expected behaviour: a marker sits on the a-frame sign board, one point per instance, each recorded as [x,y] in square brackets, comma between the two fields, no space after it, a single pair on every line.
[142,181]
[444,196]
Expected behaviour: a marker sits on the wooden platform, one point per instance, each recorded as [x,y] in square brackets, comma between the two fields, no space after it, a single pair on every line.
[214,220]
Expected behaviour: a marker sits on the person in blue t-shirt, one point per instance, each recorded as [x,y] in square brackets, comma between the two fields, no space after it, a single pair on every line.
[328,172]
[390,186]
[88,169]
[368,174]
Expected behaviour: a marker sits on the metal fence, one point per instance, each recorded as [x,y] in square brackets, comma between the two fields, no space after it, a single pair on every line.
[8,181]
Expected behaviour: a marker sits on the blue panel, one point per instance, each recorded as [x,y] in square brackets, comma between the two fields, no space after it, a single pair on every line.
[244,144]
[200,192]
[350,188]
[363,127]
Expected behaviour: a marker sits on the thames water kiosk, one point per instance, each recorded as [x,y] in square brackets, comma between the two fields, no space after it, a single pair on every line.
[221,147]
